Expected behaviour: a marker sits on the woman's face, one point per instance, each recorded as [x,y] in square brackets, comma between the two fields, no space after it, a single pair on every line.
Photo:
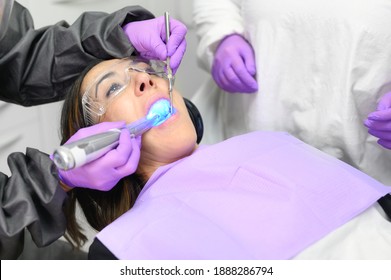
[173,139]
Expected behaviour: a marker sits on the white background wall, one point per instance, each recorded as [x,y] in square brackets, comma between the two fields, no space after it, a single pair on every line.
[38,126]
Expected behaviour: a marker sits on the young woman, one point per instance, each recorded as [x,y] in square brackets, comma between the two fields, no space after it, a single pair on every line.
[263,195]
[37,66]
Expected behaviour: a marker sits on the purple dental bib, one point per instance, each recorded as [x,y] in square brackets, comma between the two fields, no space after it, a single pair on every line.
[263,195]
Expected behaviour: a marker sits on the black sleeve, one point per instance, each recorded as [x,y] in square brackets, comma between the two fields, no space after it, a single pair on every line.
[31,198]
[37,66]
[385,203]
[98,251]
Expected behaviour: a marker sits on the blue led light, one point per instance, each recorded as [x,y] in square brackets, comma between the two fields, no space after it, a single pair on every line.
[161,110]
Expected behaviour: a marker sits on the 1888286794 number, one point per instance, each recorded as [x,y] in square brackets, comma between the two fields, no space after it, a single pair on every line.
[243,270]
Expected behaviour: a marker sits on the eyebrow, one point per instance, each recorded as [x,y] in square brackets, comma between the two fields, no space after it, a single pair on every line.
[105,76]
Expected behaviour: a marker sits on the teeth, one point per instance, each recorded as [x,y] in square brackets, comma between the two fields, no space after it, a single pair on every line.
[161,110]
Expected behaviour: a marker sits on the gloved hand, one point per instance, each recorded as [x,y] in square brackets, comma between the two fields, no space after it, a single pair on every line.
[379,121]
[149,38]
[233,66]
[103,173]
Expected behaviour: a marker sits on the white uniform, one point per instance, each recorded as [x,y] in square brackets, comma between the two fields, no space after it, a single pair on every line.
[321,68]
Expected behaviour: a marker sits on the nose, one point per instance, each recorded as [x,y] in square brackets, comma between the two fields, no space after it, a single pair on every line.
[143,82]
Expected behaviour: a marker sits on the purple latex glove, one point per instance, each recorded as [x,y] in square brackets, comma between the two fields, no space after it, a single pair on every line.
[233,66]
[379,121]
[149,38]
[103,173]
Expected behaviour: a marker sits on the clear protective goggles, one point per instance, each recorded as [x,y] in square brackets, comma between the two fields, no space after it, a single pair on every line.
[111,83]
[5,13]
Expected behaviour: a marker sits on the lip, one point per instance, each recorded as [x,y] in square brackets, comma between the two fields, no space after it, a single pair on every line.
[171,119]
[152,101]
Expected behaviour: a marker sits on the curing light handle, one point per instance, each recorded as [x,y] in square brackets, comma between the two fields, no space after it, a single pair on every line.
[85,150]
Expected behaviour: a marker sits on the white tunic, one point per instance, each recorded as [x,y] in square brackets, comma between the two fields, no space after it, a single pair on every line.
[321,68]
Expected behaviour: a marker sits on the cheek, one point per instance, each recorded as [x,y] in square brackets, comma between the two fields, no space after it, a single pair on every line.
[121,109]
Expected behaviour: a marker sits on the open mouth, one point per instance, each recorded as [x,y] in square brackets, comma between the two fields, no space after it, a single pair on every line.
[160,111]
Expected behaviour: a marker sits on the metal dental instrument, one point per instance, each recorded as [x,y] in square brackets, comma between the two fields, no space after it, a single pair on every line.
[170,77]
[85,150]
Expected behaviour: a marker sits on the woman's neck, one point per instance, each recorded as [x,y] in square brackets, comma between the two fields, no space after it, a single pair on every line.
[150,163]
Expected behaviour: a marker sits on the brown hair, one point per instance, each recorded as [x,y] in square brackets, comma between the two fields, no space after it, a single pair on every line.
[100,208]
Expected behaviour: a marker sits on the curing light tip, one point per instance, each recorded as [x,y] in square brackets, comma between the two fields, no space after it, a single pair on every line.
[161,111]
